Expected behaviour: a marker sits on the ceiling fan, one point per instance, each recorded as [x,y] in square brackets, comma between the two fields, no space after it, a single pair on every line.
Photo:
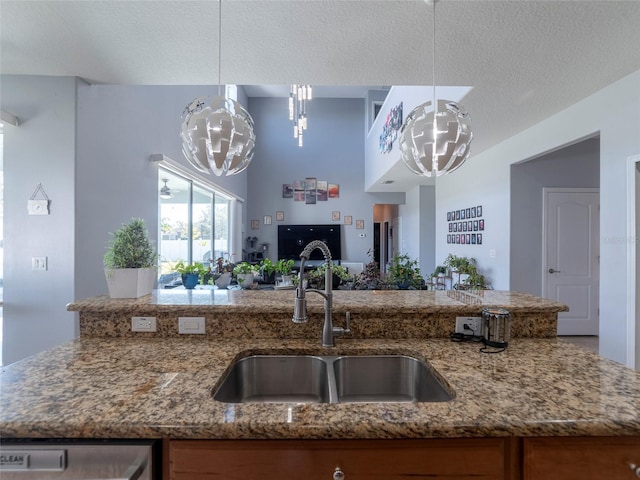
[165,191]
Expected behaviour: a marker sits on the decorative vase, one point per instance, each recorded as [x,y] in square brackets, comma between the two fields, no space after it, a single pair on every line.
[190,280]
[245,280]
[130,282]
[223,280]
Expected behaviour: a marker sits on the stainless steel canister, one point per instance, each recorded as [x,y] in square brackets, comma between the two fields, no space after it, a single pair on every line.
[496,327]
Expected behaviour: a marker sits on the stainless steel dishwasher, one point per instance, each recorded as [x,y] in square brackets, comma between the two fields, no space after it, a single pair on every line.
[71,460]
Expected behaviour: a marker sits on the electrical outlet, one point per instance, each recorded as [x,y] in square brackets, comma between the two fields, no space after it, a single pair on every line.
[475,324]
[191,325]
[143,324]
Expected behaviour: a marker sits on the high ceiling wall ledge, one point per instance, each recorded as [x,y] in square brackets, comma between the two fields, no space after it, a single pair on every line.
[8,118]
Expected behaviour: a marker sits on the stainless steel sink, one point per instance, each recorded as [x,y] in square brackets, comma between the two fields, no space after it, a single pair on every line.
[276,378]
[386,378]
[330,379]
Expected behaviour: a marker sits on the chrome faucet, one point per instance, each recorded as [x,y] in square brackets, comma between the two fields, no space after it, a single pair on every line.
[329,332]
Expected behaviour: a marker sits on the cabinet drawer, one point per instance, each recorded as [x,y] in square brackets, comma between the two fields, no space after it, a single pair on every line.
[585,458]
[358,459]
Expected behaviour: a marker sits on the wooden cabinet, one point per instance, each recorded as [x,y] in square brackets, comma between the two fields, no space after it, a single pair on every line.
[581,458]
[483,458]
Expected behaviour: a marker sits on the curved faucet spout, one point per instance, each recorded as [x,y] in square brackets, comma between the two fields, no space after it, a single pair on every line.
[300,306]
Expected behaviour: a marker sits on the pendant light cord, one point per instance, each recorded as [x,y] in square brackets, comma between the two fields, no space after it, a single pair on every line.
[433,57]
[219,44]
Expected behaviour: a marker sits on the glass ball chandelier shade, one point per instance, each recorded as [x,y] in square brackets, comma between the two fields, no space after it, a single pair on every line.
[217,136]
[298,98]
[434,145]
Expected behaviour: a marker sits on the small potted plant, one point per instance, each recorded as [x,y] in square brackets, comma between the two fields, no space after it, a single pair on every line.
[404,272]
[317,276]
[244,272]
[130,261]
[190,274]
[267,270]
[284,268]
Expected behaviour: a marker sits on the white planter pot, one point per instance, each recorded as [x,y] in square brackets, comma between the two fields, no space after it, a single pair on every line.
[245,280]
[223,280]
[130,282]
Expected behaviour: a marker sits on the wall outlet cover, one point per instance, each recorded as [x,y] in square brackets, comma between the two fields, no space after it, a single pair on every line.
[191,325]
[474,322]
[143,324]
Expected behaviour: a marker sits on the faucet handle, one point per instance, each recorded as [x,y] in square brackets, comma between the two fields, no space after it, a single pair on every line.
[347,328]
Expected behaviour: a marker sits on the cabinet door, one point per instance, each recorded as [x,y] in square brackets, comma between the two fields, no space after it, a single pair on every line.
[585,458]
[358,459]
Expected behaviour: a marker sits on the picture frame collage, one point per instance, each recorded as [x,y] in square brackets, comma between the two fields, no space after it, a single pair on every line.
[310,190]
[466,226]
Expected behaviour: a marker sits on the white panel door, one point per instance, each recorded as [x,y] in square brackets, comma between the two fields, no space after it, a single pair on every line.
[571,257]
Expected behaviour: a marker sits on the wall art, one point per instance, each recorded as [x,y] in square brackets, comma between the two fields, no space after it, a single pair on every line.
[322,194]
[335,216]
[390,129]
[359,224]
[255,224]
[279,216]
[348,219]
[310,190]
[461,221]
[267,220]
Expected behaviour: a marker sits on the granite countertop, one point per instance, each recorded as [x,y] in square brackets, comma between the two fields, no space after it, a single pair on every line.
[161,387]
[379,302]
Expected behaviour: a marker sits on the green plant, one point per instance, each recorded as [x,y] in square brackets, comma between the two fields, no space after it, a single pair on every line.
[403,270]
[267,267]
[130,247]
[440,270]
[243,268]
[317,275]
[467,266]
[285,267]
[183,268]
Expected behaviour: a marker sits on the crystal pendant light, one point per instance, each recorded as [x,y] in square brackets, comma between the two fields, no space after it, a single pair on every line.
[435,137]
[298,98]
[217,133]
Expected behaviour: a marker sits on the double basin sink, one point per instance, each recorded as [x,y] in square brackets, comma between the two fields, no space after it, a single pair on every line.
[330,379]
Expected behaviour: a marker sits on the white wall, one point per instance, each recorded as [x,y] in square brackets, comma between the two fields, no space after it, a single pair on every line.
[333,151]
[119,127]
[418,227]
[575,166]
[40,150]
[614,112]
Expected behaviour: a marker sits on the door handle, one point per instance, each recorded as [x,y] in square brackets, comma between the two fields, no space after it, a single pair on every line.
[551,270]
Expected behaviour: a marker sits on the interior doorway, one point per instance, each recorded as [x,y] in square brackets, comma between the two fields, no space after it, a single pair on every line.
[571,252]
[386,217]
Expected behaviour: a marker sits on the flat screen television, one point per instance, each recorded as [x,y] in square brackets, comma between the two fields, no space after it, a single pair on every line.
[293,238]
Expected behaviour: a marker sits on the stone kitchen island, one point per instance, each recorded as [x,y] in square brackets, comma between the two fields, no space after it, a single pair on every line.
[541,409]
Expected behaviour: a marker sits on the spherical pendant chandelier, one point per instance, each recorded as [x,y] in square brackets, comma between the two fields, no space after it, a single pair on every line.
[217,133]
[435,137]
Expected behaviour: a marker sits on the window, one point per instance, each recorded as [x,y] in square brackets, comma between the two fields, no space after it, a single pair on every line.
[195,223]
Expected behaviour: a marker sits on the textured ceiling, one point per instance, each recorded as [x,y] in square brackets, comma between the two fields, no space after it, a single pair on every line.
[525,60]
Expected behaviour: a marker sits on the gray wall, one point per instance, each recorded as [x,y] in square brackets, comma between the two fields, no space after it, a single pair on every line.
[418,227]
[574,166]
[333,150]
[41,150]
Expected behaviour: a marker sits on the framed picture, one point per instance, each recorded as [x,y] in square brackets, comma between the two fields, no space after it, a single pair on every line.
[448,216]
[468,238]
[479,238]
[464,226]
[469,225]
[310,190]
[475,225]
[255,224]
[448,238]
[287,190]
[267,220]
[468,212]
[335,216]
[473,212]
[451,227]
[463,214]
[457,238]
[462,239]
[321,189]
[460,226]
[360,224]
[457,214]
[280,216]
[481,224]
[334,190]
[348,219]
[479,210]
[473,239]
[455,226]
[298,191]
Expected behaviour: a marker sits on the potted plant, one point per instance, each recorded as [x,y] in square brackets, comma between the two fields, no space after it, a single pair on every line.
[190,274]
[317,276]
[130,261]
[244,271]
[404,272]
[467,270]
[267,270]
[284,268]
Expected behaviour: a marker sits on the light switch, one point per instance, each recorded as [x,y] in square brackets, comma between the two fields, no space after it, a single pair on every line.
[191,325]
[39,264]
